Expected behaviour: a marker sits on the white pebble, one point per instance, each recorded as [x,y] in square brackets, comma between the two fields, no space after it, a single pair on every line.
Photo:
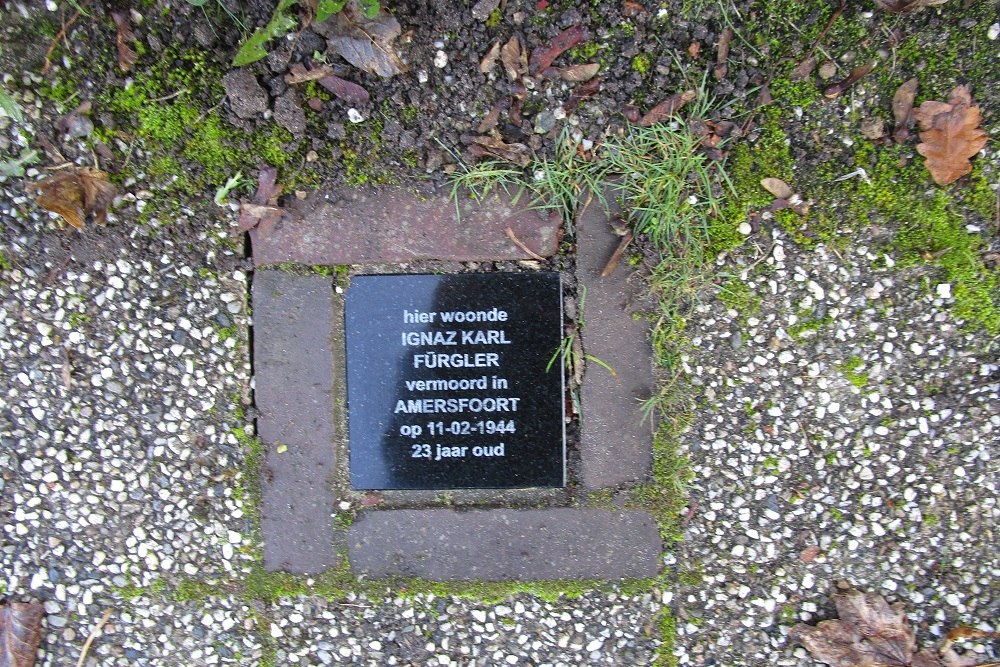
[440,60]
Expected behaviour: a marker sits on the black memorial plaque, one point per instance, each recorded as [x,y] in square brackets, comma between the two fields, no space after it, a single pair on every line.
[449,381]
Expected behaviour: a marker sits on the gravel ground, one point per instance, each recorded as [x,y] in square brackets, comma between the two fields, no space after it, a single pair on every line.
[849,431]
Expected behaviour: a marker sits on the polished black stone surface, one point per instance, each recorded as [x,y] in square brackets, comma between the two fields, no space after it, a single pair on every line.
[448,381]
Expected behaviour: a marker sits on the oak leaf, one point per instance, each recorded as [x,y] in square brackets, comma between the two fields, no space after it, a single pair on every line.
[950,135]
[514,59]
[492,147]
[578,73]
[872,633]
[20,633]
[777,187]
[76,194]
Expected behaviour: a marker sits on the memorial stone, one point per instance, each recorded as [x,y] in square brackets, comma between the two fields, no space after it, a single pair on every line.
[455,381]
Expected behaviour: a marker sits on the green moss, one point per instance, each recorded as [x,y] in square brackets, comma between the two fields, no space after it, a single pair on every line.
[194,590]
[642,63]
[585,53]
[851,370]
[737,295]
[668,638]
[494,19]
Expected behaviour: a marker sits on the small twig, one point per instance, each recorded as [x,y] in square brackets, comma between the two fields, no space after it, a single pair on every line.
[822,33]
[520,244]
[55,41]
[170,96]
[616,256]
[93,635]
[860,171]
[746,272]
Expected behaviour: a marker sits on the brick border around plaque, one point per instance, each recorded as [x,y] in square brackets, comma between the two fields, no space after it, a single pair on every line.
[300,387]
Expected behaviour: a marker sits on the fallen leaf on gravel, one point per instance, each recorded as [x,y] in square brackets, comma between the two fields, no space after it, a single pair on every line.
[803,69]
[837,88]
[490,120]
[488,146]
[667,108]
[367,43]
[809,554]
[262,212]
[722,51]
[346,90]
[489,61]
[20,633]
[126,54]
[777,187]
[902,110]
[514,58]
[871,633]
[904,6]
[543,57]
[76,194]
[581,93]
[950,135]
[577,73]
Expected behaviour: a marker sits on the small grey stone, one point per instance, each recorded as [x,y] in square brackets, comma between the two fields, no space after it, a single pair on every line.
[288,113]
[246,96]
[545,121]
[482,9]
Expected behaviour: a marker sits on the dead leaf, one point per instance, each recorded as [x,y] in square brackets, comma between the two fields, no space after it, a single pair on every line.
[487,146]
[902,110]
[347,91]
[577,73]
[75,194]
[905,6]
[20,633]
[514,58]
[581,93]
[837,88]
[126,54]
[871,633]
[809,554]
[667,108]
[803,69]
[543,57]
[490,120]
[777,187]
[950,135]
[489,61]
[262,212]
[722,53]
[367,43]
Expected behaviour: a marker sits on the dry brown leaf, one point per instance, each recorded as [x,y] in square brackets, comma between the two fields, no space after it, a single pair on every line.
[871,633]
[367,43]
[904,6]
[347,91]
[490,120]
[577,73]
[514,58]
[262,212]
[667,108]
[722,57]
[487,146]
[581,93]
[837,88]
[76,194]
[543,57]
[489,61]
[126,54]
[777,187]
[20,633]
[950,135]
[902,110]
